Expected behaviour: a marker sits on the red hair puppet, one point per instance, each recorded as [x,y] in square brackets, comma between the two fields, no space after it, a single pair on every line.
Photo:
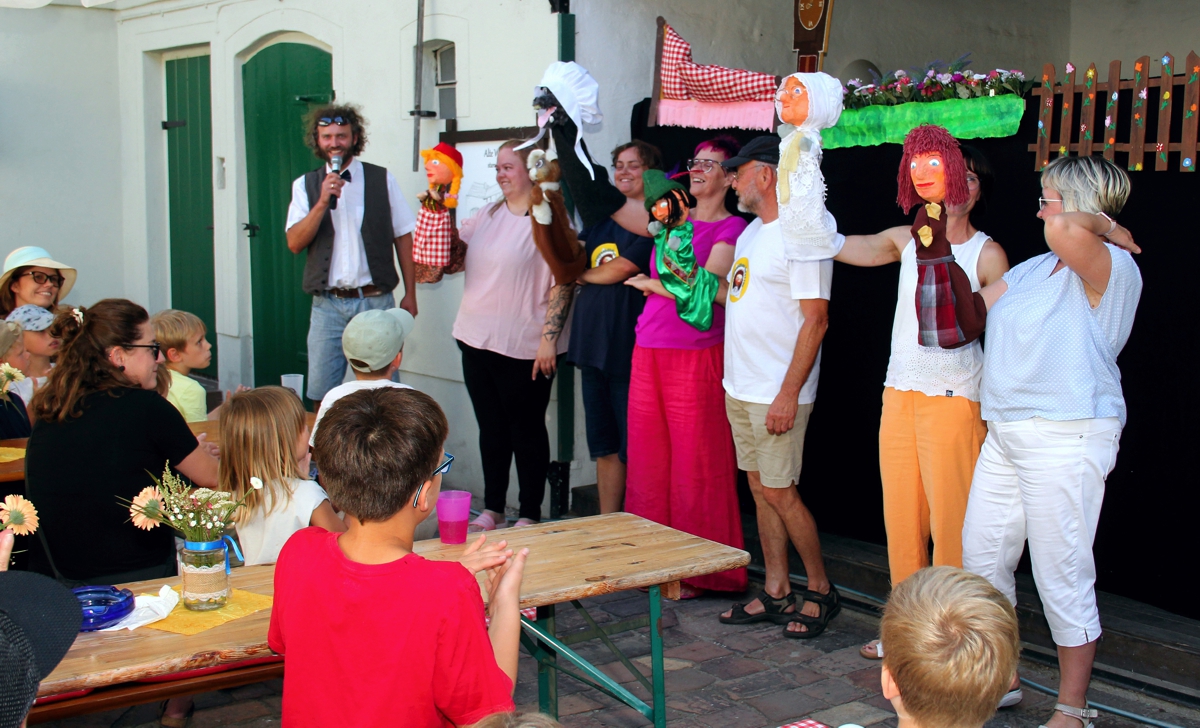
[436,247]
[949,314]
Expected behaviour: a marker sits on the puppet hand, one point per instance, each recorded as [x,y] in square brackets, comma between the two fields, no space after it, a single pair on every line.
[1123,239]
[547,358]
[478,557]
[781,416]
[422,195]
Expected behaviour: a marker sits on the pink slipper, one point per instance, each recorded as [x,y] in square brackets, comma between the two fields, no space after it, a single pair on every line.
[484,522]
[523,522]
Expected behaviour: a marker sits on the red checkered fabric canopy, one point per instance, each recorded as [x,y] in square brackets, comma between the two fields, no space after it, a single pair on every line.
[683,79]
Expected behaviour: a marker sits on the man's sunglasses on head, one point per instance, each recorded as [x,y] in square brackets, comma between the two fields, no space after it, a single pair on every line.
[327,120]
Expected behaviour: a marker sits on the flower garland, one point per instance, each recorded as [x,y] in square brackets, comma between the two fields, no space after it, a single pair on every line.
[935,82]
[199,514]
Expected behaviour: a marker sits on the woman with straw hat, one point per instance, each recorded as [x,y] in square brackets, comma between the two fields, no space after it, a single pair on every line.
[31,276]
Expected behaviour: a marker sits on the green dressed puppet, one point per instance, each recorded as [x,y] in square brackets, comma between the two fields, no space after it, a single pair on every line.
[693,287]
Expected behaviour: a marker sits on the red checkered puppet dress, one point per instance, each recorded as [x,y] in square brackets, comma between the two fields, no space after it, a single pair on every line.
[949,313]
[436,247]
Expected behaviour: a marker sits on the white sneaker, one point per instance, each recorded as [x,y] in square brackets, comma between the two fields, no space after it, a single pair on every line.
[1011,698]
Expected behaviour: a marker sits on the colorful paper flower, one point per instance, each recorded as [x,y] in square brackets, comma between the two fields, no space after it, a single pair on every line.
[1062,150]
[1142,94]
[1070,68]
[1166,60]
[1114,96]
[1187,161]
[1107,121]
[18,515]
[1041,124]
[1166,95]
[1159,147]
[1083,127]
[1112,140]
[1091,73]
[1138,66]
[146,508]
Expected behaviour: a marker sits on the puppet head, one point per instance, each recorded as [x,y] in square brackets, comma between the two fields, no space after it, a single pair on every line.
[443,166]
[567,94]
[667,201]
[809,101]
[932,169]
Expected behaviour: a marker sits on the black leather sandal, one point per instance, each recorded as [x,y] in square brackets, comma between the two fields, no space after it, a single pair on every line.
[831,605]
[774,610]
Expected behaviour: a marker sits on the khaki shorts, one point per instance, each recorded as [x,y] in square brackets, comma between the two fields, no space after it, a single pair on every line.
[777,458]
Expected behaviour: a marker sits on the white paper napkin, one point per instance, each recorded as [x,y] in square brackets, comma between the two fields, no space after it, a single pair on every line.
[148,609]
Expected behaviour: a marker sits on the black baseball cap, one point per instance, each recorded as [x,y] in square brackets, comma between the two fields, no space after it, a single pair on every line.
[39,620]
[759,149]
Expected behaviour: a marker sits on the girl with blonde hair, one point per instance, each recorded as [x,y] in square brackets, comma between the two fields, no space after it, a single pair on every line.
[264,436]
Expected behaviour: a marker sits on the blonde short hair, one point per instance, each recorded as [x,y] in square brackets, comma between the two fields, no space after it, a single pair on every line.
[1087,184]
[174,329]
[512,720]
[952,646]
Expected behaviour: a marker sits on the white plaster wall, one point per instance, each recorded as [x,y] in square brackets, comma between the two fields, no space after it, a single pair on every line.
[60,143]
[1125,30]
[1021,34]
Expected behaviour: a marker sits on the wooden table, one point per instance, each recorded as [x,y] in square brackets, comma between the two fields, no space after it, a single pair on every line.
[15,470]
[568,561]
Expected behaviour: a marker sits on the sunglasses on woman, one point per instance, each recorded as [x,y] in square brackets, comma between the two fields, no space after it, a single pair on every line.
[41,278]
[154,348]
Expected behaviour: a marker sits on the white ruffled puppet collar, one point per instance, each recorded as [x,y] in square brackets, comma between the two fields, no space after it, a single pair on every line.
[579,95]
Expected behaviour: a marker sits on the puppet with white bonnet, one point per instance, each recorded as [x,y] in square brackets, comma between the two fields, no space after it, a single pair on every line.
[810,102]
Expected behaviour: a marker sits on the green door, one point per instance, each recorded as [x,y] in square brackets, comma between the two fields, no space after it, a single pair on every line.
[190,193]
[279,84]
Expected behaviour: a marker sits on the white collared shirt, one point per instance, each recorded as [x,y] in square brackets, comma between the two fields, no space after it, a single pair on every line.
[348,264]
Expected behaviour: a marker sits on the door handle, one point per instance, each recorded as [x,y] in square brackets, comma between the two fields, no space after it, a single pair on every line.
[250,228]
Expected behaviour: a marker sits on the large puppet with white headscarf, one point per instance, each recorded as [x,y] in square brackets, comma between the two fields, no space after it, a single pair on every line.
[811,102]
[566,98]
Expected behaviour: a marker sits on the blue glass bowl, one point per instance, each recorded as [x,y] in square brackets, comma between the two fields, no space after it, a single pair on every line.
[103,606]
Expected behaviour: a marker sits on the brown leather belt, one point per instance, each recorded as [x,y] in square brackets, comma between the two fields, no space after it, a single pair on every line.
[364,292]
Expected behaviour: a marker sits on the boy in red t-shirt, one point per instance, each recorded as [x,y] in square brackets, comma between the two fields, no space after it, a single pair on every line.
[371,633]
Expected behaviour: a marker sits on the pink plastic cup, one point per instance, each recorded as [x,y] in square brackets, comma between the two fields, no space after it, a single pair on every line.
[453,512]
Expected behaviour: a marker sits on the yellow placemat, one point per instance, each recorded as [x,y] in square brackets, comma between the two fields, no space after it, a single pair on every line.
[184,621]
[8,454]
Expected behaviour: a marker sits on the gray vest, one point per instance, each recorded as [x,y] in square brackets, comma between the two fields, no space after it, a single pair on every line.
[378,240]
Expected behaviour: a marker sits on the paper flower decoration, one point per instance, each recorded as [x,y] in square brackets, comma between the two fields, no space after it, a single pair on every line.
[18,515]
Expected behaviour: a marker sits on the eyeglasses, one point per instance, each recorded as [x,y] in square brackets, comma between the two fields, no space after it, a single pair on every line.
[327,120]
[733,173]
[41,278]
[441,470]
[1042,202]
[154,348]
[705,165]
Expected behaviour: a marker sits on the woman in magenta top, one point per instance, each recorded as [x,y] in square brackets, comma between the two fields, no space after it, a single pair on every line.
[682,471]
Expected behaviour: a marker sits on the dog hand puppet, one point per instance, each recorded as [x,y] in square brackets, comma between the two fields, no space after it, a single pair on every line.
[693,287]
[552,232]
[949,314]
[436,247]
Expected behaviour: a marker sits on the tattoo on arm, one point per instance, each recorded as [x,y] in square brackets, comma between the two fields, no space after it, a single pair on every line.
[557,311]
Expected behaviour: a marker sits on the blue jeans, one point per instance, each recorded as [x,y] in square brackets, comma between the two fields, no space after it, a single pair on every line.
[330,314]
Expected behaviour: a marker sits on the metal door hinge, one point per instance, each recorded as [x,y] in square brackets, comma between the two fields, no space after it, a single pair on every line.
[250,228]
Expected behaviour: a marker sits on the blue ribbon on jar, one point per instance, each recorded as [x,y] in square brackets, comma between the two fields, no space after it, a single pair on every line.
[213,546]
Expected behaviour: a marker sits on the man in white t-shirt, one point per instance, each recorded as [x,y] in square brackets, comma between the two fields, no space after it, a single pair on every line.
[374,345]
[775,318]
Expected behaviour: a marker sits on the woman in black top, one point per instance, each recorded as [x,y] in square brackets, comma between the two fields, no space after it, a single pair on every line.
[99,432]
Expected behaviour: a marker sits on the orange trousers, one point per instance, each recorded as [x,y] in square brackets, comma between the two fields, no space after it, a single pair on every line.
[927,452]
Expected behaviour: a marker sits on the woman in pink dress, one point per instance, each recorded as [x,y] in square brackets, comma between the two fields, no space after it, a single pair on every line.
[682,470]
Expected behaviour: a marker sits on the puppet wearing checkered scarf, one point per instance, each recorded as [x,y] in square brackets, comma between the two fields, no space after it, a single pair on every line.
[949,314]
[436,247]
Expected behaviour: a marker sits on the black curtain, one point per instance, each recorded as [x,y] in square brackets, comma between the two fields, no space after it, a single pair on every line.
[1145,543]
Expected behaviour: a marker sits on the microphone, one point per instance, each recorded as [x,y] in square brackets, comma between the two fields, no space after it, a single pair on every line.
[335,162]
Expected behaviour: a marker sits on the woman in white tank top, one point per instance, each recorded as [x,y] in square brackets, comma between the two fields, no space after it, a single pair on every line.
[930,432]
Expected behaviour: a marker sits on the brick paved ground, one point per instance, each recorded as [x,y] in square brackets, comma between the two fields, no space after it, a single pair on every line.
[718,676]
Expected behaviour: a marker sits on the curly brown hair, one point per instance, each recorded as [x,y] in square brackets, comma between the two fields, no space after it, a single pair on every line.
[83,365]
[349,112]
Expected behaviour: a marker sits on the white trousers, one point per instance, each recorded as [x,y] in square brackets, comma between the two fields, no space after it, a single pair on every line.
[1043,481]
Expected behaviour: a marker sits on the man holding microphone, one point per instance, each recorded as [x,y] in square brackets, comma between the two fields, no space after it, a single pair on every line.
[351,218]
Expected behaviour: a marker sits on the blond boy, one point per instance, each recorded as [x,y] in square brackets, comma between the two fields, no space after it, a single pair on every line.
[182,336]
[952,649]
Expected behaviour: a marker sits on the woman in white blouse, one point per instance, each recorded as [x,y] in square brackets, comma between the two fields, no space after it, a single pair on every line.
[1051,395]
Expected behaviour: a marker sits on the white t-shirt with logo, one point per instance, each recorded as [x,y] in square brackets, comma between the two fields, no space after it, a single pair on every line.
[763,316]
[342,390]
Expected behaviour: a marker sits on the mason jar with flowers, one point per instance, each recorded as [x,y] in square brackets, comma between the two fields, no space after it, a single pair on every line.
[201,516]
